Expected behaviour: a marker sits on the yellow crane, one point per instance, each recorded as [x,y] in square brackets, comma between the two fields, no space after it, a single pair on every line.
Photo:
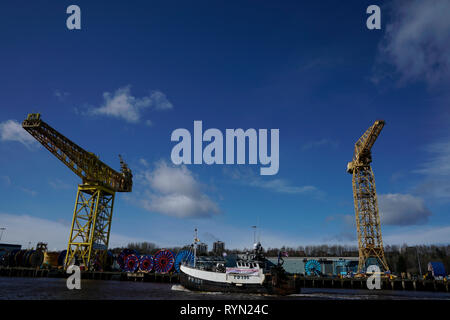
[370,242]
[91,223]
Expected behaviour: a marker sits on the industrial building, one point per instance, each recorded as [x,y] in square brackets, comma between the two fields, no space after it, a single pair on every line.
[6,247]
[331,266]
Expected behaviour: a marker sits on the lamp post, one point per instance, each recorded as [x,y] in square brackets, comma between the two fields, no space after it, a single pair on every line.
[254,234]
[1,234]
[418,261]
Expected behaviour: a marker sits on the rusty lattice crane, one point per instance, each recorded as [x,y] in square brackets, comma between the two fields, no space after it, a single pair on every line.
[370,242]
[91,224]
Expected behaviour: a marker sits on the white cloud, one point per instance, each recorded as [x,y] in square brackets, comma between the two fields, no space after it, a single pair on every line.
[402,209]
[248,177]
[320,143]
[392,235]
[11,130]
[435,188]
[439,162]
[143,162]
[5,180]
[123,105]
[25,229]
[436,170]
[417,42]
[174,191]
[28,191]
[345,224]
[58,184]
[61,95]
[282,186]
[418,235]
[159,101]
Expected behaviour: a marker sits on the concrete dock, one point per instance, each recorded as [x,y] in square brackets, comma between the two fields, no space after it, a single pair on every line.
[361,283]
[92,275]
[300,281]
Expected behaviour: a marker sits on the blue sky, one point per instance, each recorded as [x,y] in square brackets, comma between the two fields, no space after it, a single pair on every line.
[137,71]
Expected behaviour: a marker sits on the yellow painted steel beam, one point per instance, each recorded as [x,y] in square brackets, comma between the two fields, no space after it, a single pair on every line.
[370,242]
[91,222]
[83,163]
[91,226]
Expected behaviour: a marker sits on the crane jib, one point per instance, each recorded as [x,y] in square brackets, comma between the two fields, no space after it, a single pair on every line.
[83,163]
[92,215]
[364,144]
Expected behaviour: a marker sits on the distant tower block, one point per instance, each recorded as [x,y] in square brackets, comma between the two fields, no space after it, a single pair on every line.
[370,242]
[202,248]
[218,248]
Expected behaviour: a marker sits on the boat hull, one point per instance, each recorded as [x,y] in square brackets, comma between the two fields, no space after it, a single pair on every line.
[190,280]
[193,283]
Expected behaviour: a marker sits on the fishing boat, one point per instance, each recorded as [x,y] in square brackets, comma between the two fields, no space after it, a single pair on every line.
[252,273]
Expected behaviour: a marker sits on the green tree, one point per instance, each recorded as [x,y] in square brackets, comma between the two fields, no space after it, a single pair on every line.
[401,264]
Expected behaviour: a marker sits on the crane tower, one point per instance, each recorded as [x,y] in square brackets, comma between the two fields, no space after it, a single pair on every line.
[370,242]
[91,223]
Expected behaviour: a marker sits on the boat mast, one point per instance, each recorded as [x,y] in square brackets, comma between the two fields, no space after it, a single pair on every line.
[195,247]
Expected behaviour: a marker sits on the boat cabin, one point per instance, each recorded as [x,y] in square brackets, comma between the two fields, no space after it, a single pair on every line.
[249,265]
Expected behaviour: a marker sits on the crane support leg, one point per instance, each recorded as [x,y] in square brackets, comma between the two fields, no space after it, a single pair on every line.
[91,225]
[370,242]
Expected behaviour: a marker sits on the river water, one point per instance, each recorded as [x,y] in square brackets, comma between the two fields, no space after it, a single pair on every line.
[54,288]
